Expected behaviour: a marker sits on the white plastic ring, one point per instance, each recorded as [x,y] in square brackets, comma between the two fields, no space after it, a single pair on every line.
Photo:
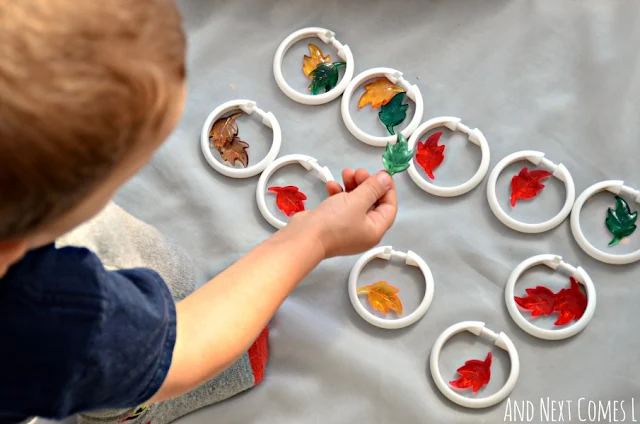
[327,37]
[475,136]
[307,162]
[386,253]
[249,107]
[616,187]
[537,158]
[556,263]
[501,340]
[413,92]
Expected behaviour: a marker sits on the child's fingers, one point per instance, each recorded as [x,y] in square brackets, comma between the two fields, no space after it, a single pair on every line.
[361,176]
[384,214]
[349,179]
[372,189]
[333,188]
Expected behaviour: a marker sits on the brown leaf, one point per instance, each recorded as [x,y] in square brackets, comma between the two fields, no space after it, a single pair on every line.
[223,131]
[235,151]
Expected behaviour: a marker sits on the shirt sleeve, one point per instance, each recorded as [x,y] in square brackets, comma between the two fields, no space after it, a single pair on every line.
[80,337]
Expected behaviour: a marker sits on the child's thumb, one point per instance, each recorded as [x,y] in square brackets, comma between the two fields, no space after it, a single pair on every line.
[372,189]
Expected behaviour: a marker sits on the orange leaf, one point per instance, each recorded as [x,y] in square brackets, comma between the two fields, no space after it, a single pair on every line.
[378,93]
[383,297]
[310,63]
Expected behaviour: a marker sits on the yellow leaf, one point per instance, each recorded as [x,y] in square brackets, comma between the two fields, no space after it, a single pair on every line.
[311,62]
[383,297]
[378,93]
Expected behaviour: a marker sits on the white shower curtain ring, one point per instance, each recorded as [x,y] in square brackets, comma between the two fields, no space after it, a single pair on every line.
[387,253]
[618,188]
[475,136]
[250,108]
[395,77]
[307,162]
[556,170]
[500,340]
[327,37]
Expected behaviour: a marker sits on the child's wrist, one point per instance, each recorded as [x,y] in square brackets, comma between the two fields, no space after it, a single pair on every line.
[305,235]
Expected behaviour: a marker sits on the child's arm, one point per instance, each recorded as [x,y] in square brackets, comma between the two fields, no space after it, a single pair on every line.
[219,321]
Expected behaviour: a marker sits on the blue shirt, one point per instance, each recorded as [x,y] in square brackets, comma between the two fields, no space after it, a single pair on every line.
[75,337]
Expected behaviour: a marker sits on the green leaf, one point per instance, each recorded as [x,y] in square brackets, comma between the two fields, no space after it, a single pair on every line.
[396,157]
[325,76]
[394,112]
[620,222]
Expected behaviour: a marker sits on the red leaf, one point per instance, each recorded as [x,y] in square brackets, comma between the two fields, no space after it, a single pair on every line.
[540,301]
[527,185]
[430,154]
[474,374]
[289,199]
[570,303]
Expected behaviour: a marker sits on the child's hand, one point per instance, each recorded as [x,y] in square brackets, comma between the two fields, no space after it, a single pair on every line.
[346,223]
[355,220]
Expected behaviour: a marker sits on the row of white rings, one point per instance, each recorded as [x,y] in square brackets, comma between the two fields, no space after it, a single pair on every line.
[268,165]
[478,328]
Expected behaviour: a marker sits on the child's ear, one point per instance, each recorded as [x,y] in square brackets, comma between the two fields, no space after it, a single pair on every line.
[10,252]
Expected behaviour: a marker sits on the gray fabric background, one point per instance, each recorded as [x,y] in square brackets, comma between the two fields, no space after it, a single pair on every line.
[562,77]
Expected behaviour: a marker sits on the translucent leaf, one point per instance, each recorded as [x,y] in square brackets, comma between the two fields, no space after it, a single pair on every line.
[394,112]
[430,154]
[474,374]
[526,185]
[223,131]
[383,297]
[620,222]
[289,199]
[378,92]
[309,63]
[325,77]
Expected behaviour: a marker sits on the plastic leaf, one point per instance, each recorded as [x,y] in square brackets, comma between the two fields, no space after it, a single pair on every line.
[430,154]
[378,92]
[223,131]
[289,199]
[620,222]
[474,374]
[394,112]
[383,297]
[396,157]
[569,303]
[325,76]
[540,301]
[236,151]
[527,185]
[309,63]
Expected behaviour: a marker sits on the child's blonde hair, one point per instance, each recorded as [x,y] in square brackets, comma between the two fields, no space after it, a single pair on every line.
[80,82]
